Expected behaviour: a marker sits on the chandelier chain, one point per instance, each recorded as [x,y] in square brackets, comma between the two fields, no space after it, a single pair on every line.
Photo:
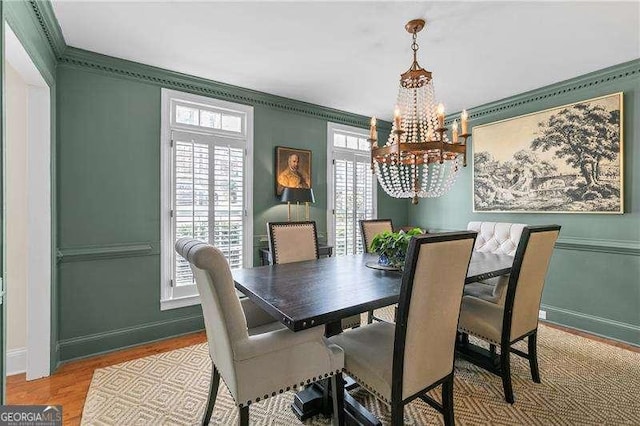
[415,47]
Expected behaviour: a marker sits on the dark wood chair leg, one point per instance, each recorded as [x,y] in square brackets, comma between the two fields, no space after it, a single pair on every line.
[464,339]
[397,414]
[532,340]
[370,317]
[447,401]
[337,396]
[213,393]
[505,370]
[244,416]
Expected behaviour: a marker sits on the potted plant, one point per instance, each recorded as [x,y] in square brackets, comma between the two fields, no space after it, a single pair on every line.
[392,246]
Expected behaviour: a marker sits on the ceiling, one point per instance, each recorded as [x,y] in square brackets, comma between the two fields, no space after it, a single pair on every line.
[348,55]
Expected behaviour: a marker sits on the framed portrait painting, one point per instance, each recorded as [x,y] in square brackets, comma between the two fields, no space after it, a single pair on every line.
[567,159]
[293,168]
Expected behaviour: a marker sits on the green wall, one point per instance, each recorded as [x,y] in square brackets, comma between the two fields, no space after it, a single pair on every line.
[594,278]
[109,194]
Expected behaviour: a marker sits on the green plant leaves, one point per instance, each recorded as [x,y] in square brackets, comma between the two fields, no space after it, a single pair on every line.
[394,245]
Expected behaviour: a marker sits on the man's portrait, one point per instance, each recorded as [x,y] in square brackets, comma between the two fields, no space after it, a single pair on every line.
[293,168]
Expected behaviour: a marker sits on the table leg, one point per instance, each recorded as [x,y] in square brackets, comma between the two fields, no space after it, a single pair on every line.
[311,402]
[316,399]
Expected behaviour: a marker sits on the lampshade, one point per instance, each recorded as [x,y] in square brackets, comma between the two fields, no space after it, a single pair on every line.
[297,195]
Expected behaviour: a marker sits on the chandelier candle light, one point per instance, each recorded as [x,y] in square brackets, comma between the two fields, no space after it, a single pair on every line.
[418,160]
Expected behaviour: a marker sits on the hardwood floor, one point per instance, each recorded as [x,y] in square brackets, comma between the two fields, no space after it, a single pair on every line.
[69,385]
[616,343]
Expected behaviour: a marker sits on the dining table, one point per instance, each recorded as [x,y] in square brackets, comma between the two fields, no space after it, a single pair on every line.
[322,292]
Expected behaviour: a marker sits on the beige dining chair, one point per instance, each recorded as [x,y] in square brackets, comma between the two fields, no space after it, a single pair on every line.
[498,238]
[372,227]
[403,361]
[256,356]
[369,229]
[297,242]
[505,324]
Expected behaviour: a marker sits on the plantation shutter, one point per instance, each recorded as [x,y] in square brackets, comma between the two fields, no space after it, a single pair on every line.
[353,199]
[209,200]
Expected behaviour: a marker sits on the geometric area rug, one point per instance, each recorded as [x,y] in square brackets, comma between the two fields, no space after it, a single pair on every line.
[584,382]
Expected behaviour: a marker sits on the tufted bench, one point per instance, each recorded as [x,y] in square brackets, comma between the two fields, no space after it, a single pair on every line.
[494,237]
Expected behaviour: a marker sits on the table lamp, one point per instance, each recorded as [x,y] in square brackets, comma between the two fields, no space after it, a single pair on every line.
[297,195]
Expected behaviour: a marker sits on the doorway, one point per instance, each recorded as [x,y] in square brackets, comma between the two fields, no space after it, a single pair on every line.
[27,166]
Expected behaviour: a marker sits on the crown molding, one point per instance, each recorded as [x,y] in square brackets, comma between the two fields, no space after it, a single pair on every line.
[67,55]
[122,68]
[43,12]
[623,71]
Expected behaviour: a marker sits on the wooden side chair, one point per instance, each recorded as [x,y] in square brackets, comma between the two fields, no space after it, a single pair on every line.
[498,238]
[297,242]
[370,228]
[503,325]
[247,347]
[403,361]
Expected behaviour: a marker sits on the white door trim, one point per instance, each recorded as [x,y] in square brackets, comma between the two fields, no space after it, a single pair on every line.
[39,201]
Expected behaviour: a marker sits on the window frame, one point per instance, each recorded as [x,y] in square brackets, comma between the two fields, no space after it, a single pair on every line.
[332,128]
[174,297]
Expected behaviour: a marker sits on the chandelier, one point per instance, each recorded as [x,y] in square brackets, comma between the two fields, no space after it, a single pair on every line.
[418,160]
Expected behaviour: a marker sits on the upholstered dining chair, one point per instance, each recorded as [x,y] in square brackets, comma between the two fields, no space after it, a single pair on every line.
[403,361]
[499,238]
[247,347]
[505,324]
[297,242]
[369,229]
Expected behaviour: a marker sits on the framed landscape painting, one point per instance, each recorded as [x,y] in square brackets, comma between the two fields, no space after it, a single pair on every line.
[566,159]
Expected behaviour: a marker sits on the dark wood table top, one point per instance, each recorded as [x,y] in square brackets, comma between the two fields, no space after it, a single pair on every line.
[302,295]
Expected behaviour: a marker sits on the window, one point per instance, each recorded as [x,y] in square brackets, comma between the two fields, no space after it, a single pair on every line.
[206,186]
[352,187]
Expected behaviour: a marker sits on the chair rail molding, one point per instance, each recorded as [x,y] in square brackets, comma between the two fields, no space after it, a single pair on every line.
[599,245]
[109,251]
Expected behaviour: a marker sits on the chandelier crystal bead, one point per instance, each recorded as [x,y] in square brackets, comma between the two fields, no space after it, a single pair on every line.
[418,160]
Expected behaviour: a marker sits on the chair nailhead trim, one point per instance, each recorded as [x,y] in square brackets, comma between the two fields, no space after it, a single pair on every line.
[288,388]
[292,225]
[478,335]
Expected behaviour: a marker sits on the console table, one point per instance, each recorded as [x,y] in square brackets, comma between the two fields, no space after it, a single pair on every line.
[265,254]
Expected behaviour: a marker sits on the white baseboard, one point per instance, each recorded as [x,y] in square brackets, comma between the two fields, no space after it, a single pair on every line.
[16,361]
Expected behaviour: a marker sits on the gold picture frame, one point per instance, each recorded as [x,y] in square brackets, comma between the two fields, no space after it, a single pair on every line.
[293,168]
[565,159]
